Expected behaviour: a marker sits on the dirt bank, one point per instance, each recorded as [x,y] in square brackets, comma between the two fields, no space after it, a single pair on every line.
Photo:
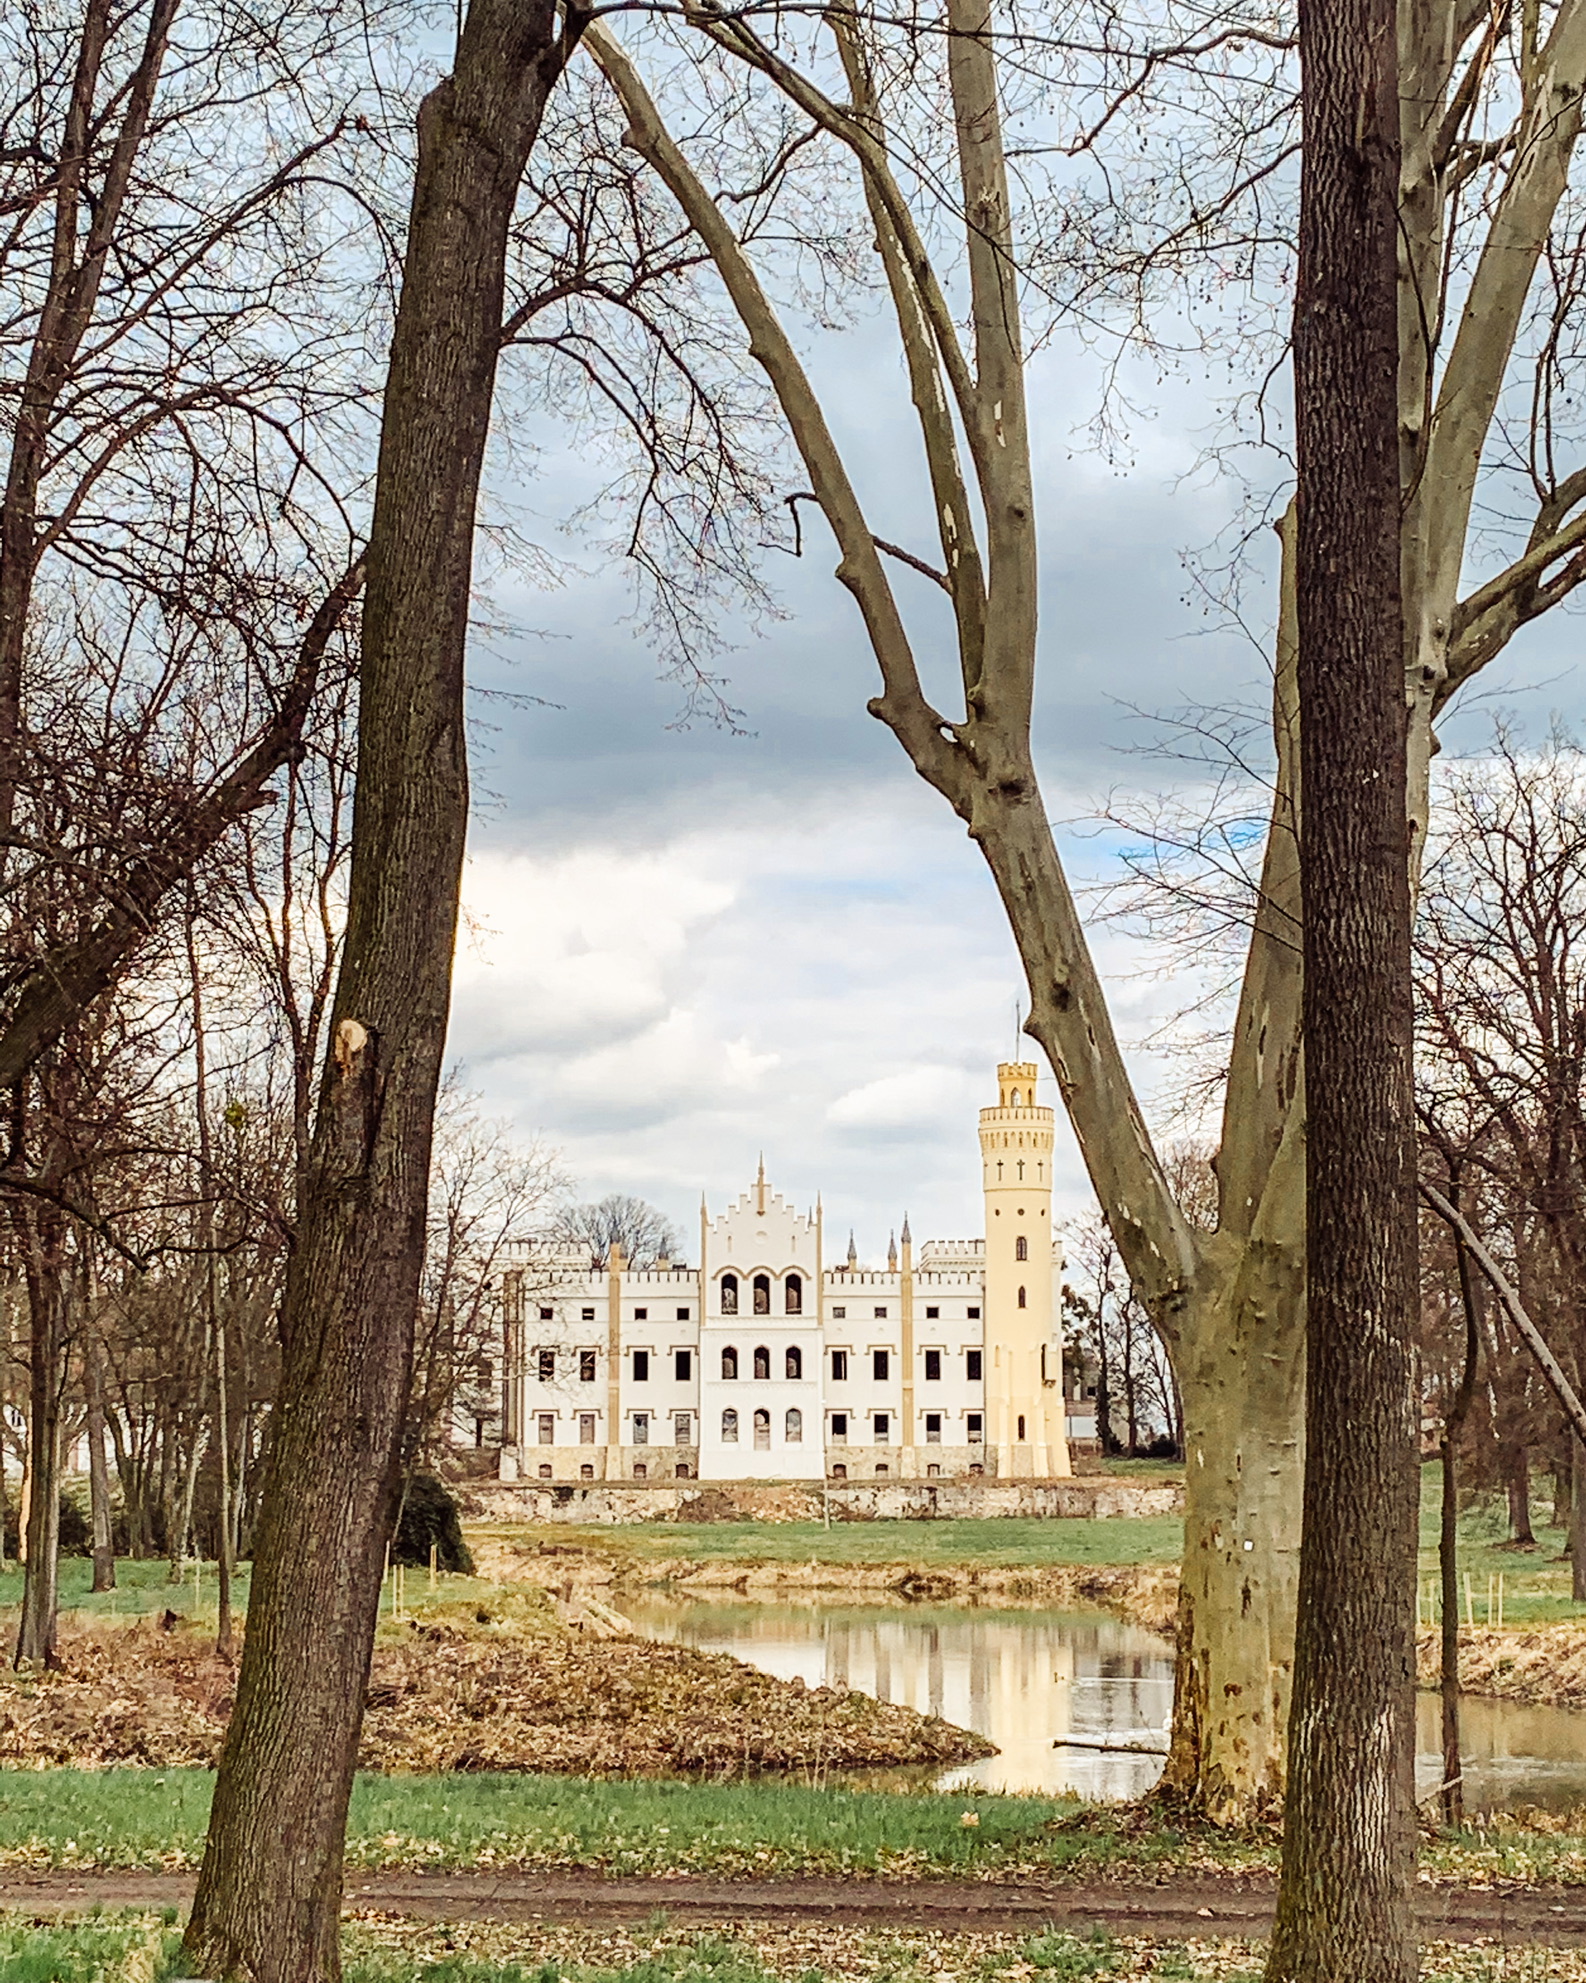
[1543,1667]
[1145,1593]
[481,1694]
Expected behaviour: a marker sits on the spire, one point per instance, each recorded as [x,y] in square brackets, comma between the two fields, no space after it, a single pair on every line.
[759,1186]
[853,1251]
[906,1236]
[892,1253]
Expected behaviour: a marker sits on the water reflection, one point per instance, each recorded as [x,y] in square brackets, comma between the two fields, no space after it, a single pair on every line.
[1025,1677]
[1020,1677]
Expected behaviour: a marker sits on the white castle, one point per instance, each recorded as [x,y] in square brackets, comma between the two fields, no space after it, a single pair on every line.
[765,1362]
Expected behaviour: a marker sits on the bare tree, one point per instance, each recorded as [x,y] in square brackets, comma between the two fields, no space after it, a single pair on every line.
[643,1234]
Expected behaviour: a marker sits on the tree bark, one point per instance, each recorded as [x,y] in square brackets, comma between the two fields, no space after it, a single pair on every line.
[45,1242]
[1345,1893]
[1577,1518]
[1453,1797]
[268,1905]
[98,1465]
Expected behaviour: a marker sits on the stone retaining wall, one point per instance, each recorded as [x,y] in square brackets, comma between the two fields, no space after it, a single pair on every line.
[1092,1495]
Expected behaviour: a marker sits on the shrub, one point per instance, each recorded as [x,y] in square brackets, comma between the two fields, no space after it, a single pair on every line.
[429,1520]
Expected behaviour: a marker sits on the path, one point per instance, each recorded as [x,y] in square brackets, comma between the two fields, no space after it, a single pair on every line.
[1180,1907]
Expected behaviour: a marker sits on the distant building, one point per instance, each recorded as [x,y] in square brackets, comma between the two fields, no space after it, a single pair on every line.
[769,1361]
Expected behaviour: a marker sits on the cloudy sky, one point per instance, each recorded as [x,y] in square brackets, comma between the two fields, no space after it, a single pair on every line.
[685,946]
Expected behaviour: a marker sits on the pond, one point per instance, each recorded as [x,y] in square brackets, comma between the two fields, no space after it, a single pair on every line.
[1024,1678]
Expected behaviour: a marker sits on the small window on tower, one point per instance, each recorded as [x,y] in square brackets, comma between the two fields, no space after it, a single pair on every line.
[881,1314]
[729,1294]
[641,1315]
[931,1314]
[794,1363]
[546,1314]
[839,1314]
[1021,1251]
[973,1314]
[1021,1297]
[586,1314]
[1021,1425]
[793,1295]
[729,1363]
[762,1294]
[762,1362]
[682,1315]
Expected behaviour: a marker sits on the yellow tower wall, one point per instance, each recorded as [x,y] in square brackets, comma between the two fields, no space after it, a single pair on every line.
[1025,1424]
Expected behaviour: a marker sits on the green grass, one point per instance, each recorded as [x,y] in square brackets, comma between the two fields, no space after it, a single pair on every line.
[1536,1584]
[1012,1544]
[142,1588]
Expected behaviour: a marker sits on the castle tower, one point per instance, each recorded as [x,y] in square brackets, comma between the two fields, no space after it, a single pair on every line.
[1024,1362]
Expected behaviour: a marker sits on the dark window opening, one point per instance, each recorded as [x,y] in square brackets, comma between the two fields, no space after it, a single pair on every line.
[641,1428]
[839,1471]
[883,1427]
[1021,1248]
[729,1427]
[729,1363]
[975,1424]
[682,1365]
[1021,1427]
[880,1364]
[729,1294]
[586,1366]
[762,1432]
[641,1366]
[586,1471]
[762,1361]
[641,1315]
[794,1363]
[762,1294]
[682,1315]
[547,1365]
[973,1314]
[972,1365]
[839,1366]
[933,1366]
[840,1428]
[933,1428]
[545,1314]
[586,1314]
[640,1470]
[545,1473]
[1021,1297]
[932,1314]
[793,1295]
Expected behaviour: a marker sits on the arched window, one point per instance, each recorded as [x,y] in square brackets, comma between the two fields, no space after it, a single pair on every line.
[729,1363]
[729,1427]
[795,1427]
[729,1294]
[1017,1099]
[762,1362]
[793,1295]
[762,1294]
[1021,1248]
[795,1363]
[762,1432]
[1021,1425]
[1021,1297]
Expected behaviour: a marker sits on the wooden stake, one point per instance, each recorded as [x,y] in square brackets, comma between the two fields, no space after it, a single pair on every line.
[1470,1603]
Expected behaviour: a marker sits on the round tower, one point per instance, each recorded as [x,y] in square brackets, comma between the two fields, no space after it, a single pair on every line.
[1023,1355]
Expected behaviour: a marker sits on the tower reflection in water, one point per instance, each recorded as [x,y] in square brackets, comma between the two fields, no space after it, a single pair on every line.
[1023,1678]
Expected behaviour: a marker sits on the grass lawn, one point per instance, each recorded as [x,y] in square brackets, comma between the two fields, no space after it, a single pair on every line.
[130,1818]
[1536,1583]
[1011,1544]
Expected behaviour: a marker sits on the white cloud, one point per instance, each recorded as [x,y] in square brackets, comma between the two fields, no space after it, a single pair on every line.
[918,1098]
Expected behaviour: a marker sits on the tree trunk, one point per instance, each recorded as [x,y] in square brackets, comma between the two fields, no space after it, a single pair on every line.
[1517,1469]
[1241,1367]
[1458,1408]
[1577,1520]
[98,1466]
[268,1904]
[47,1282]
[1347,1883]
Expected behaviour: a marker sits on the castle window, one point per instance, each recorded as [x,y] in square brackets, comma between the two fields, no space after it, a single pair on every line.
[547,1426]
[973,1314]
[975,1426]
[933,1428]
[794,1429]
[839,1366]
[972,1364]
[1021,1248]
[839,1471]
[1021,1297]
[795,1363]
[683,1365]
[586,1314]
[641,1428]
[883,1427]
[586,1366]
[933,1471]
[880,1364]
[640,1471]
[683,1429]
[1018,1099]
[839,1314]
[545,1473]
[547,1365]
[839,1428]
[682,1315]
[729,1294]
[546,1314]
[793,1295]
[762,1361]
[586,1428]
[586,1471]
[1021,1426]
[882,1470]
[641,1315]
[681,1472]
[762,1432]
[931,1314]
[729,1427]
[762,1294]
[881,1314]
[933,1366]
[729,1363]
[641,1366]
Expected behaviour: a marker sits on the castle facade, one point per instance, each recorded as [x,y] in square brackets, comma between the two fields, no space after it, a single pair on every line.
[768,1360]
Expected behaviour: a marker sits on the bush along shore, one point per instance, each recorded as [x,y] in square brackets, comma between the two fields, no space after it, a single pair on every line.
[509,1686]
